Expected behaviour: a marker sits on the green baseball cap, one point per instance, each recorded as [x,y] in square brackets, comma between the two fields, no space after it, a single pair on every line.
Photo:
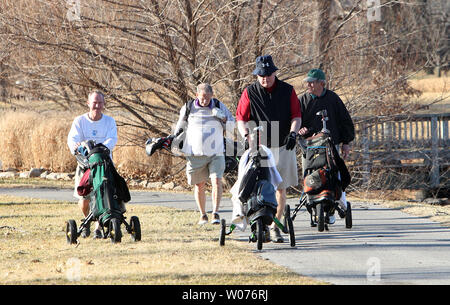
[315,74]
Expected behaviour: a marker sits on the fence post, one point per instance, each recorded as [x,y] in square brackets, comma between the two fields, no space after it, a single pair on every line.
[365,154]
[434,173]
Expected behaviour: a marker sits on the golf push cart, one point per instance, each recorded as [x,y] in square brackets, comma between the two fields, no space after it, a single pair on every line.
[107,191]
[325,177]
[257,199]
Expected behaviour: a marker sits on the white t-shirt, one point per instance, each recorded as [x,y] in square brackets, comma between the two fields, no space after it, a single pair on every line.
[101,131]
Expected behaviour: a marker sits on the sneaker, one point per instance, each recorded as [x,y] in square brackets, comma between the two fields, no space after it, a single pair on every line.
[275,235]
[98,234]
[266,235]
[342,204]
[341,212]
[215,219]
[331,219]
[86,231]
[203,220]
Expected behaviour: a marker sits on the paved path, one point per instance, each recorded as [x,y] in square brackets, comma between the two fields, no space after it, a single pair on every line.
[385,246]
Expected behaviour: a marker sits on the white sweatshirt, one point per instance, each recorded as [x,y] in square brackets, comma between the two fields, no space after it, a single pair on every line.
[101,131]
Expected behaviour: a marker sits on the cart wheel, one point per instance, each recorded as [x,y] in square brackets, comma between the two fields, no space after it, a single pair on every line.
[320,216]
[259,233]
[135,228]
[286,215]
[348,216]
[290,225]
[71,231]
[114,230]
[223,228]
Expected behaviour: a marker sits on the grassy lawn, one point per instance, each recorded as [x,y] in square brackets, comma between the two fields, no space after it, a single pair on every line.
[173,251]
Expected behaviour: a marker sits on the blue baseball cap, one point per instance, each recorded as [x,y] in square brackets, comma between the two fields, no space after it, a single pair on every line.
[264,66]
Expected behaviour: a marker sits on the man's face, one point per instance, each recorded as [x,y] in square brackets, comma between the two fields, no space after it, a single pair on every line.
[315,87]
[204,98]
[267,81]
[96,103]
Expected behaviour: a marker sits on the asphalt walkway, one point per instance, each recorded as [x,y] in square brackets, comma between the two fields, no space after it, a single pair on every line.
[385,246]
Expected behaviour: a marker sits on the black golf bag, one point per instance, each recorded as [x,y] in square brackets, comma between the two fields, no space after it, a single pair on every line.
[325,175]
[257,193]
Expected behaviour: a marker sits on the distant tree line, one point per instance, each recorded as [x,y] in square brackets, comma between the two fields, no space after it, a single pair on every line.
[148,56]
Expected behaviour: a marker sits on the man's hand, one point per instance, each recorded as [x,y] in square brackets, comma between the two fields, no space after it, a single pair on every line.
[82,150]
[219,114]
[303,131]
[167,142]
[246,141]
[291,140]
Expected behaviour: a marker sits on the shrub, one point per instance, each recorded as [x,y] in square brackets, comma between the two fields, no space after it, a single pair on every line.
[30,139]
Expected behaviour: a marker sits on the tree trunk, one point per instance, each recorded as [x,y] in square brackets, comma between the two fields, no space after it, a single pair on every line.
[322,34]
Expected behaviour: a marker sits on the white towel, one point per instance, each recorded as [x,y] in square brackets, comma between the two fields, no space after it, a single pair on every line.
[238,218]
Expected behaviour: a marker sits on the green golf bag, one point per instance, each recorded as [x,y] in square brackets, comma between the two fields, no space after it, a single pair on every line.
[109,189]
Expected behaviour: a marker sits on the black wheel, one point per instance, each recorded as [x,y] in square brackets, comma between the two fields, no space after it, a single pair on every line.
[114,230]
[223,228]
[290,226]
[348,216]
[71,231]
[286,215]
[320,216]
[259,233]
[135,225]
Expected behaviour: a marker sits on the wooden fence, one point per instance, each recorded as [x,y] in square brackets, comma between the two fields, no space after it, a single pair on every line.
[414,141]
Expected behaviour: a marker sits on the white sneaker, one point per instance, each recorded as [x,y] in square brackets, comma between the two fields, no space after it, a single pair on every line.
[331,219]
[215,219]
[342,204]
[203,220]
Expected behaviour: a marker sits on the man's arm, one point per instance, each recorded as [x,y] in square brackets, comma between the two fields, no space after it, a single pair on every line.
[74,137]
[242,128]
[295,124]
[296,114]
[347,128]
[243,114]
[181,124]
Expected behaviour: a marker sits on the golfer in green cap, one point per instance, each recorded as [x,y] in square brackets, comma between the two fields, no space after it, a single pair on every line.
[340,124]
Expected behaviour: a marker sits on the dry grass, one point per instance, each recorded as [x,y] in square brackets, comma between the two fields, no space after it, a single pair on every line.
[431,84]
[35,183]
[437,213]
[173,250]
[29,140]
[435,92]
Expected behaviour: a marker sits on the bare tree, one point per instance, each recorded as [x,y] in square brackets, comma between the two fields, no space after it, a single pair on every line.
[148,56]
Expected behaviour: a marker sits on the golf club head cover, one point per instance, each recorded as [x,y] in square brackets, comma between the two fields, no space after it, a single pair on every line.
[154,144]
